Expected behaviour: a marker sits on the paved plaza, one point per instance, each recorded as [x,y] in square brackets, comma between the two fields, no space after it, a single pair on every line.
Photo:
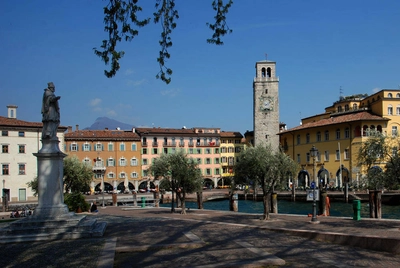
[155,237]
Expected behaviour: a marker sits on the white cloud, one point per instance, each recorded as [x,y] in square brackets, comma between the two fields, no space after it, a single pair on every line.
[95,102]
[170,92]
[129,72]
[112,113]
[135,83]
[377,89]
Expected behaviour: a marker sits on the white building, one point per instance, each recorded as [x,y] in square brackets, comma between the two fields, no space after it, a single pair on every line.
[19,140]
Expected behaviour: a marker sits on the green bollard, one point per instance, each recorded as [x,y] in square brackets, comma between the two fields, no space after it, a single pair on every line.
[357,210]
[143,201]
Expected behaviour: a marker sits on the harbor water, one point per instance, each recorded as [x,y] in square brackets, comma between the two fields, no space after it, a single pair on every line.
[338,209]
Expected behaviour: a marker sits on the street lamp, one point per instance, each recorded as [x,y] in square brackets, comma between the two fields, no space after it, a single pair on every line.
[314,153]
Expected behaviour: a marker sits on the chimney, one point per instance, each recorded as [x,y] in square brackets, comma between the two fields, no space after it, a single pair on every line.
[106,128]
[12,111]
[133,130]
[69,129]
[77,127]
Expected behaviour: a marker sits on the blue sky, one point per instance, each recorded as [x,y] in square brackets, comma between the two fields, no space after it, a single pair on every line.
[319,46]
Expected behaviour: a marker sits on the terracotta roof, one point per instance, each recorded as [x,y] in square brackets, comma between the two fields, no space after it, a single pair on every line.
[13,122]
[164,131]
[346,118]
[101,135]
[231,134]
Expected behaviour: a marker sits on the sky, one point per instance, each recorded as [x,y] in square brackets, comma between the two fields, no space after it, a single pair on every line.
[322,50]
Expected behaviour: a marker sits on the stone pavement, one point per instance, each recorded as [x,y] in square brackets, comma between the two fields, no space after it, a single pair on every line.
[155,237]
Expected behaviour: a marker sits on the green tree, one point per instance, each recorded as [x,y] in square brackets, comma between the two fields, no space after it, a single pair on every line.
[380,160]
[265,167]
[179,173]
[77,175]
[34,185]
[122,23]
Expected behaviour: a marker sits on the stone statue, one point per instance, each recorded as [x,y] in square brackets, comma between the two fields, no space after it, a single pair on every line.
[50,113]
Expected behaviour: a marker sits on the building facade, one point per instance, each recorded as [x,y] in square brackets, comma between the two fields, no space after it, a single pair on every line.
[266,104]
[338,134]
[114,155]
[231,145]
[19,140]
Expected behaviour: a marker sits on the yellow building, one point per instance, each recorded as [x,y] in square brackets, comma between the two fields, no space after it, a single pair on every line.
[114,155]
[231,146]
[338,133]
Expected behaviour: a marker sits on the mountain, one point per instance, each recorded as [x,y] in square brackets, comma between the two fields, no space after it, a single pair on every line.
[105,122]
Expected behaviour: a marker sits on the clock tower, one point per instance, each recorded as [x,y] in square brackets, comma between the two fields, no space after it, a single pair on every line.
[266,104]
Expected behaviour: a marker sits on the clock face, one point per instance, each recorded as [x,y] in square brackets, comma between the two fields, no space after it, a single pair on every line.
[266,104]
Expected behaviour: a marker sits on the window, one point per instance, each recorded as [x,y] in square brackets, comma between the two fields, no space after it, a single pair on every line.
[4,149]
[208,151]
[318,157]
[144,161]
[21,149]
[355,106]
[308,138]
[217,160]
[298,139]
[86,147]
[74,147]
[21,169]
[338,134]
[397,110]
[4,133]
[111,147]
[398,95]
[122,147]
[155,150]
[223,150]
[346,133]
[190,150]
[339,109]
[298,158]
[223,159]
[133,147]
[110,175]
[122,162]
[238,149]
[390,95]
[165,150]
[390,110]
[394,130]
[337,155]
[231,149]
[318,136]
[21,134]
[122,175]
[346,154]
[208,161]
[110,162]
[198,151]
[346,107]
[198,160]
[217,172]
[134,175]
[133,162]
[144,150]
[86,161]
[208,172]
[231,161]
[326,155]
[307,157]
[326,135]
[5,169]
[217,150]
[99,147]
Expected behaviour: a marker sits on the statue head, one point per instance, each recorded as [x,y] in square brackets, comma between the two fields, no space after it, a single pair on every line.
[50,85]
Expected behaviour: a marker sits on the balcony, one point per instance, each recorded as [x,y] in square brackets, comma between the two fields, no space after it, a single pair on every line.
[181,144]
[191,144]
[169,144]
[154,143]
[99,169]
[207,144]
[144,144]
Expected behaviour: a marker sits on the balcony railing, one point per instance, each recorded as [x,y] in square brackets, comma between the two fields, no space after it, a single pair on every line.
[169,144]
[144,144]
[181,144]
[191,144]
[207,144]
[154,143]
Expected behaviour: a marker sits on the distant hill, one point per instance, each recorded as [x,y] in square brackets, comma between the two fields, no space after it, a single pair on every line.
[105,122]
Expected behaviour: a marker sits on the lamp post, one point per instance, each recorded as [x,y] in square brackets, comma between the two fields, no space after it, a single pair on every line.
[314,153]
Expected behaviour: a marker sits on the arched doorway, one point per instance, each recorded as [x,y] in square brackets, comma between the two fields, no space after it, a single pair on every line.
[121,187]
[224,182]
[323,177]
[303,179]
[108,188]
[144,186]
[345,176]
[208,183]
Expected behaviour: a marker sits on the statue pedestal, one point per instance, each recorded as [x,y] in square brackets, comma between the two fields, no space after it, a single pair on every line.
[51,219]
